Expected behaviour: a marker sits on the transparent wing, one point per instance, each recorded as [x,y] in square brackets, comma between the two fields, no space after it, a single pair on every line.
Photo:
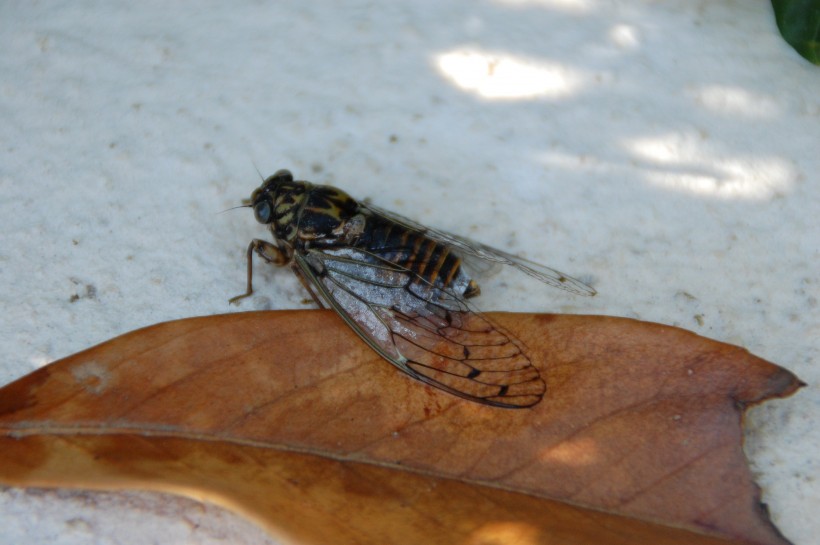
[481,258]
[429,333]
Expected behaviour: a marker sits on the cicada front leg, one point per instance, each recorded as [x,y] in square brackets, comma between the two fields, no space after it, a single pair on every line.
[267,251]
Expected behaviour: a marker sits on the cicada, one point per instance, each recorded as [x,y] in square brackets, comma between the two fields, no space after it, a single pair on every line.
[402,287]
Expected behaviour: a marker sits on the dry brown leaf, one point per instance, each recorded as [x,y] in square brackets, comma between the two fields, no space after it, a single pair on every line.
[290,419]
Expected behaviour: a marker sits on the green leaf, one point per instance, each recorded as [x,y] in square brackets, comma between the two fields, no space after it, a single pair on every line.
[799,23]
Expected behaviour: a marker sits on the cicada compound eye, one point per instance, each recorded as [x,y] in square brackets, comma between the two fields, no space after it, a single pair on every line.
[262,211]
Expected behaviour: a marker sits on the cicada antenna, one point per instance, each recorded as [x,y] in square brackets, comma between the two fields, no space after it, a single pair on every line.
[245,204]
[257,170]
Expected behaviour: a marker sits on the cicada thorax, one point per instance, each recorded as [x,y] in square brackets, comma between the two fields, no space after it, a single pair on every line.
[303,211]
[325,212]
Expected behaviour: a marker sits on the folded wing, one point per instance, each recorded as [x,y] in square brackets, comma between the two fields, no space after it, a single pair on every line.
[428,332]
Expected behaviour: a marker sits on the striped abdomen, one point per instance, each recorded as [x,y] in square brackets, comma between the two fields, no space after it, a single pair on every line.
[430,260]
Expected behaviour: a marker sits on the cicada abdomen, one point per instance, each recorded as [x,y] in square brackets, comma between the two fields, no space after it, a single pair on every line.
[433,262]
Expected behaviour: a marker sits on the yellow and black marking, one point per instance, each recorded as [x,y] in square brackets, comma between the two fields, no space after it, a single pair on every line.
[432,261]
[324,210]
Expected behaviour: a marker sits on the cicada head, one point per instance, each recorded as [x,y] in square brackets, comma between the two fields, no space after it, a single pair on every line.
[276,203]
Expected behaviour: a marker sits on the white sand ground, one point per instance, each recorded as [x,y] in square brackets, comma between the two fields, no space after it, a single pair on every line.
[667,152]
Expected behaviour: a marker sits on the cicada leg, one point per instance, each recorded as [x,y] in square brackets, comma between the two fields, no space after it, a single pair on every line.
[267,251]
